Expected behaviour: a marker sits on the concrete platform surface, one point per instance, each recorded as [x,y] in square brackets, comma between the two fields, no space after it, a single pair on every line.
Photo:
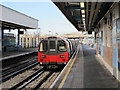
[20,51]
[16,53]
[87,72]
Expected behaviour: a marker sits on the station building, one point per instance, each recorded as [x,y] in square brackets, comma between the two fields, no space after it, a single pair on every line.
[30,41]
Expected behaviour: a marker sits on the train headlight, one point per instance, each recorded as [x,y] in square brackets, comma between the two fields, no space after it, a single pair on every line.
[43,56]
[62,56]
[40,63]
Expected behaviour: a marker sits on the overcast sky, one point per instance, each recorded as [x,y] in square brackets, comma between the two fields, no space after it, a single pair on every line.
[49,16]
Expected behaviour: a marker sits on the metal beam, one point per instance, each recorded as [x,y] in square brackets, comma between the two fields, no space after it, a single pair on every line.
[67,13]
[72,7]
[76,17]
[96,11]
[86,14]
[91,13]
[104,8]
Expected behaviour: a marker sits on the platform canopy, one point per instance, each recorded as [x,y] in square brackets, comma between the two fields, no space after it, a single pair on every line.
[12,19]
[83,15]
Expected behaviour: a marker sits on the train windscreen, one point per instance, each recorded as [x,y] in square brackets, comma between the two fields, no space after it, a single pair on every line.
[43,46]
[52,45]
[61,45]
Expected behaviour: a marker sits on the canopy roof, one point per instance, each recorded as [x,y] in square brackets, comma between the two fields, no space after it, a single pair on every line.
[84,15]
[12,19]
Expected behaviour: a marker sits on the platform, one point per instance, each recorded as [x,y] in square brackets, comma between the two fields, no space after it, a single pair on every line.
[11,54]
[86,72]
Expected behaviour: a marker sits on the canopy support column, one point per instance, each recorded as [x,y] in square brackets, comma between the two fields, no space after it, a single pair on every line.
[18,38]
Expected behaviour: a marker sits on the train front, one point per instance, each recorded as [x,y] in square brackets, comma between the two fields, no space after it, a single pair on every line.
[53,51]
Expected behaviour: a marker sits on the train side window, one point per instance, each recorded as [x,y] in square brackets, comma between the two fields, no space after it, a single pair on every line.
[43,46]
[61,45]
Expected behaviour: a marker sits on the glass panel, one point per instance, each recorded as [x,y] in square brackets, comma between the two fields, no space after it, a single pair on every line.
[61,45]
[43,46]
[52,45]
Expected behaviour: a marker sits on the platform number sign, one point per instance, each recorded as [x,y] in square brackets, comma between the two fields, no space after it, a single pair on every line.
[21,32]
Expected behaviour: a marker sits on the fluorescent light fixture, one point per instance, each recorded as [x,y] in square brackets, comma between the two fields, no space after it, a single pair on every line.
[83,19]
[82,4]
[83,15]
[83,11]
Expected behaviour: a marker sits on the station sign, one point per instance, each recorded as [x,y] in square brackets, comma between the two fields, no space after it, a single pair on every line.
[21,32]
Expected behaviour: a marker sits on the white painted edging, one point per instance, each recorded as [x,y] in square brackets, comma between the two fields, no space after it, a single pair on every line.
[16,55]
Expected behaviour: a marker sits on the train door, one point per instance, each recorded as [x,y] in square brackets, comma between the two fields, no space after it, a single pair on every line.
[52,50]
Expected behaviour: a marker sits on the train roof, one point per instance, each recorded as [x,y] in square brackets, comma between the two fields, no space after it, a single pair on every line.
[54,37]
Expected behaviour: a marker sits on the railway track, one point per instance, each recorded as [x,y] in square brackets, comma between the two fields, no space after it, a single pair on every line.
[35,80]
[14,69]
[42,74]
[6,62]
[17,67]
[42,81]
[7,76]
[28,79]
[18,64]
[31,82]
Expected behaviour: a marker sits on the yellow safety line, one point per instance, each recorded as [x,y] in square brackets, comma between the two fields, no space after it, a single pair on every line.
[65,77]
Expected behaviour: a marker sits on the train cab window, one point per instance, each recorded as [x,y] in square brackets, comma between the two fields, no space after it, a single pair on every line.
[52,45]
[43,46]
[61,45]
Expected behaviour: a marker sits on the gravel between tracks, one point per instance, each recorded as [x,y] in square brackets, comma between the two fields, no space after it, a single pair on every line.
[35,82]
[47,83]
[50,80]
[18,78]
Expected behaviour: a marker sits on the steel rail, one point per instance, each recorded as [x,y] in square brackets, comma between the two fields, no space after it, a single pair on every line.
[15,68]
[42,81]
[26,79]
[16,65]
[15,73]
[32,79]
